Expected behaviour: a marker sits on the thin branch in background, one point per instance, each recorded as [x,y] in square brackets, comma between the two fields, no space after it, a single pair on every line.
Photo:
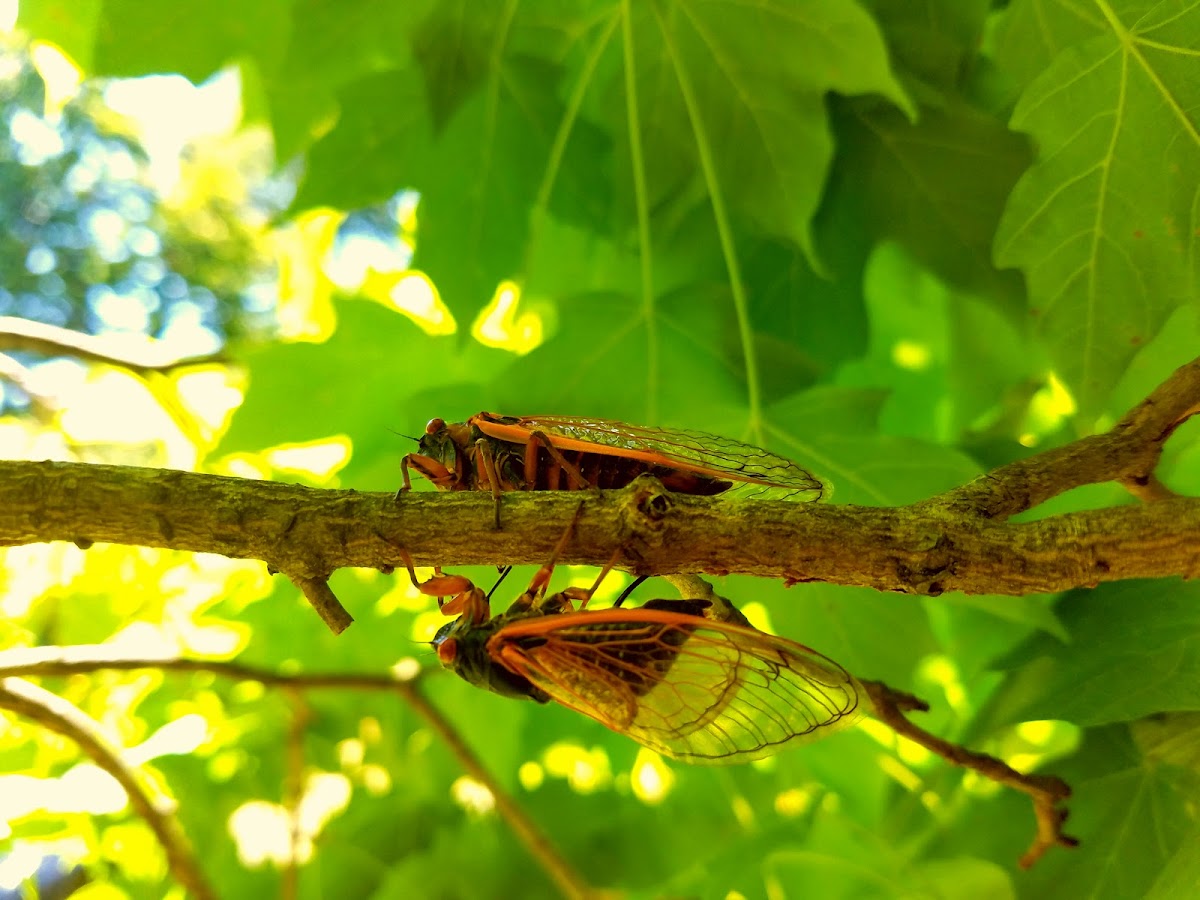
[141,355]
[293,789]
[1046,791]
[46,661]
[56,714]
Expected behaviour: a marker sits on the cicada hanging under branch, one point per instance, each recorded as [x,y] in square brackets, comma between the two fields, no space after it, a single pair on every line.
[689,687]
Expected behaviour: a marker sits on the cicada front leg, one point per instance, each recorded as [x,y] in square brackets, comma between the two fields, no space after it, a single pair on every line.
[465,597]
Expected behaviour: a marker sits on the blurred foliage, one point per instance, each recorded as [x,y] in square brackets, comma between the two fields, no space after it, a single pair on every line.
[901,243]
[89,244]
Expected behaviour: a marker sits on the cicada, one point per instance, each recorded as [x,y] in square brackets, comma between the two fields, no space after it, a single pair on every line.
[693,688]
[495,453]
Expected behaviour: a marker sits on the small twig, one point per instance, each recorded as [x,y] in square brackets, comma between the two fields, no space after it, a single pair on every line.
[46,661]
[322,598]
[1148,488]
[1127,453]
[62,717]
[1046,791]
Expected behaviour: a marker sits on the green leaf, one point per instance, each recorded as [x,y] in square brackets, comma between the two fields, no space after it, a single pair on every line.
[191,37]
[738,93]
[1134,652]
[865,467]
[1102,223]
[1131,818]
[334,43]
[938,187]
[375,147]
[380,345]
[1181,873]
[71,24]
[932,41]
[1031,33]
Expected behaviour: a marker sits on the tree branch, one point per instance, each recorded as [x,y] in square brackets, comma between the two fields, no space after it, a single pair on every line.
[1047,791]
[961,540]
[64,718]
[47,661]
[138,354]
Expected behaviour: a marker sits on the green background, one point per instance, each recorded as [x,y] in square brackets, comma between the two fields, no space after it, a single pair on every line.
[885,239]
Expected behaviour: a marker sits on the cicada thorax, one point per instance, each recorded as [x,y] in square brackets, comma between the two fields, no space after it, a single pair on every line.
[461,646]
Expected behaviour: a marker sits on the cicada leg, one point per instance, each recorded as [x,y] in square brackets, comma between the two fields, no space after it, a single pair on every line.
[541,578]
[405,480]
[465,597]
[440,476]
[573,474]
[483,454]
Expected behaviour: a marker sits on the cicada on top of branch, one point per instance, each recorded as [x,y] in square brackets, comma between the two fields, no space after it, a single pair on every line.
[691,687]
[495,453]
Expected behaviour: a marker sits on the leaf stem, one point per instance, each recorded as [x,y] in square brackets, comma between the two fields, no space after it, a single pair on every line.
[638,164]
[724,227]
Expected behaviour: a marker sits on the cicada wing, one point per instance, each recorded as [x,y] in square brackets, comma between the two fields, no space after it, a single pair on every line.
[689,688]
[775,477]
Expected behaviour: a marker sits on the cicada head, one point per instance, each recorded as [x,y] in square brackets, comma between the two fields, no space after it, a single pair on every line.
[440,456]
[462,648]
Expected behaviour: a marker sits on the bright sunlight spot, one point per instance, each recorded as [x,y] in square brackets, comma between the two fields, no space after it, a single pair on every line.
[911,355]
[376,779]
[898,772]
[942,672]
[531,775]
[758,615]
[651,778]
[473,796]
[8,15]
[305,309]
[60,73]
[24,857]
[171,112]
[318,459]
[262,831]
[210,394]
[1049,406]
[742,811]
[406,669]
[178,737]
[426,625]
[351,753]
[115,407]
[499,325]
[413,294]
[586,771]
[1037,733]
[83,788]
[793,802]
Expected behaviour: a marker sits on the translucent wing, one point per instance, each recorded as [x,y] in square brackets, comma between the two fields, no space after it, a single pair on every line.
[689,688]
[709,454]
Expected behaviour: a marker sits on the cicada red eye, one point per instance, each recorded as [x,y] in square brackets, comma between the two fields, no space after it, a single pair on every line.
[447,651]
[694,689]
